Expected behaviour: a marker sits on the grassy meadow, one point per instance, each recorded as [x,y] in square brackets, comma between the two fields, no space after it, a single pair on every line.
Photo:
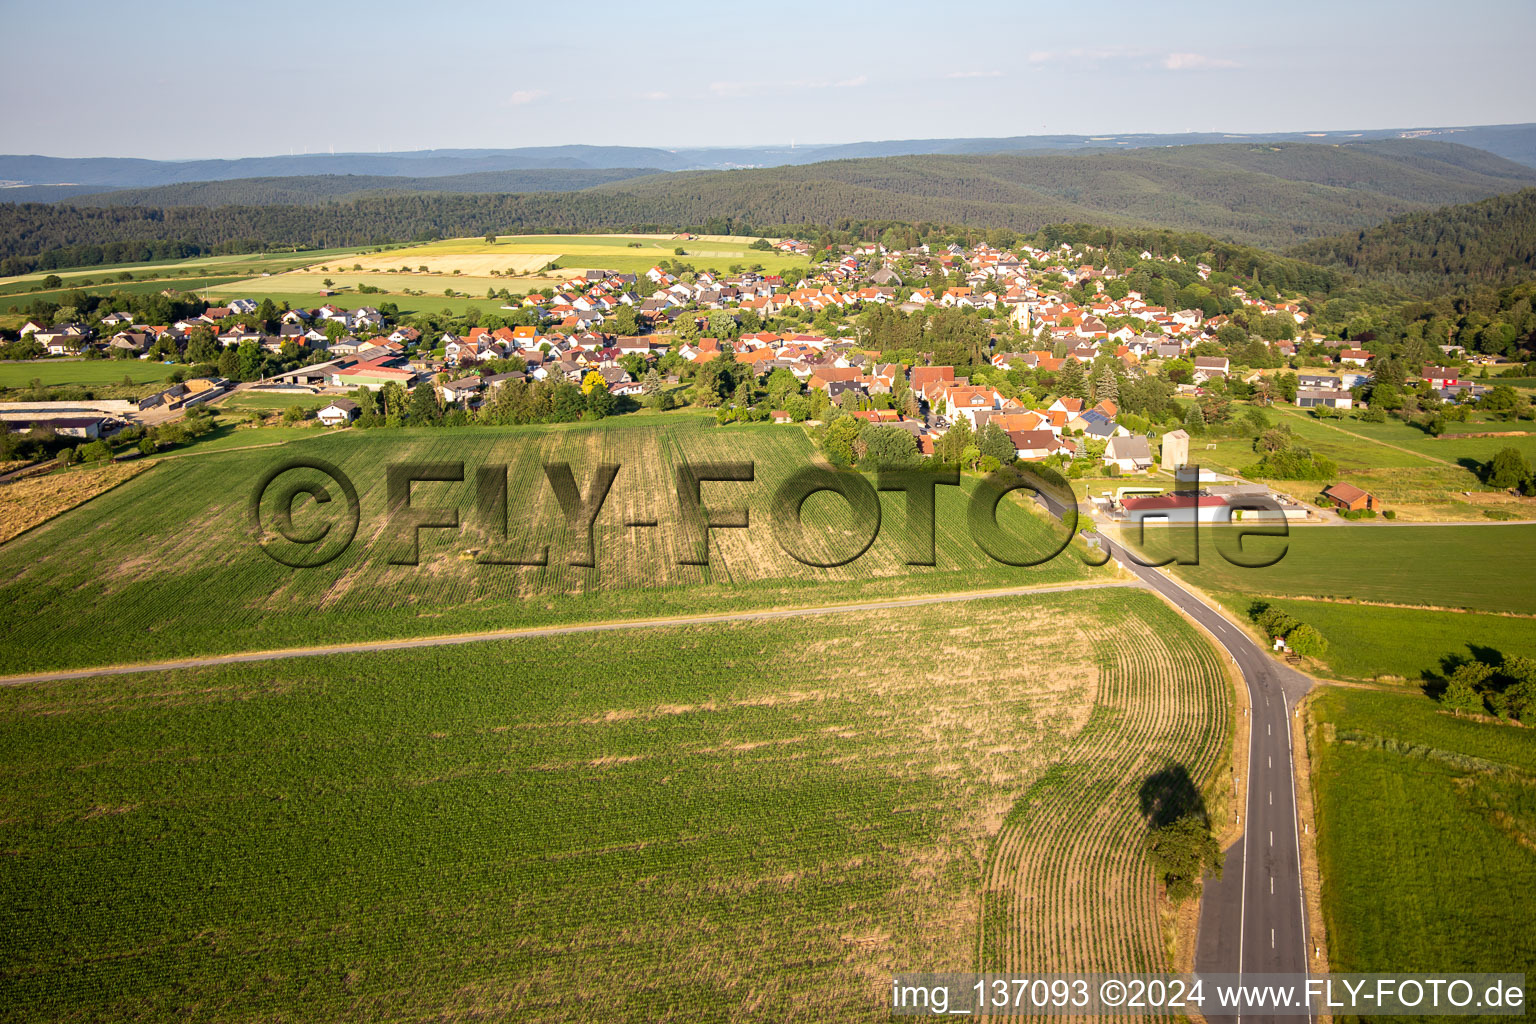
[85,372]
[750,821]
[1425,823]
[1421,477]
[1478,568]
[171,566]
[1414,644]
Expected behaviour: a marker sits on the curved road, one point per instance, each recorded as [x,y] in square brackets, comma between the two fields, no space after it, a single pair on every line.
[1252,920]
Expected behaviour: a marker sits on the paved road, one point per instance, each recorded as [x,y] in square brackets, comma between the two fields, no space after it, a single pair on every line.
[544,631]
[1253,920]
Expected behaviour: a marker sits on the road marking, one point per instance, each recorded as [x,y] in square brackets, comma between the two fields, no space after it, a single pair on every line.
[1271,885]
[1271,798]
[1271,837]
[1271,938]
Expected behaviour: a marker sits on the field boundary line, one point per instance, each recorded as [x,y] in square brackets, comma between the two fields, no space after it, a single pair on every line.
[534,632]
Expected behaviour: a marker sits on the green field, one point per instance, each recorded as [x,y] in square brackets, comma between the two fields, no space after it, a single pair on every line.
[1419,475]
[267,401]
[187,270]
[1369,641]
[1425,824]
[756,821]
[52,372]
[1482,568]
[171,566]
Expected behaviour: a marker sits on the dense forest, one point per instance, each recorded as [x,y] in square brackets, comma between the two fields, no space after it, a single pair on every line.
[1492,242]
[313,189]
[1271,195]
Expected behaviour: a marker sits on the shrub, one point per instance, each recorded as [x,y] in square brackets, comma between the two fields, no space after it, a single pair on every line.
[1389,514]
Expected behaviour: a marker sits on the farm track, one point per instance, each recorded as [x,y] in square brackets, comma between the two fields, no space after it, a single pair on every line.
[513,634]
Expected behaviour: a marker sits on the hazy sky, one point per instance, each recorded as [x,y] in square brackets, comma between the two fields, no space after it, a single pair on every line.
[183,80]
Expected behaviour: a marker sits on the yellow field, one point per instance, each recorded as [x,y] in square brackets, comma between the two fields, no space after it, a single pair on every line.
[438,261]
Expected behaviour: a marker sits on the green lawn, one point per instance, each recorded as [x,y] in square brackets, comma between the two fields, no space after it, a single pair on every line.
[267,401]
[1424,829]
[15,374]
[1369,641]
[172,567]
[1484,568]
[755,821]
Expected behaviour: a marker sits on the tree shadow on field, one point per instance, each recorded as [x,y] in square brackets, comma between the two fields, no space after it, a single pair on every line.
[1169,795]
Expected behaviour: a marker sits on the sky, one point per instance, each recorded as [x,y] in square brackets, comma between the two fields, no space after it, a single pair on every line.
[211,80]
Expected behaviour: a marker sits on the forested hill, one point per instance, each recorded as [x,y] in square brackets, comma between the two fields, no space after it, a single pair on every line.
[312,189]
[1272,194]
[1489,242]
[1269,195]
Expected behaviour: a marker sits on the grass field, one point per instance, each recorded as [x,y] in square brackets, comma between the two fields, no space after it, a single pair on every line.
[1425,826]
[244,265]
[1414,644]
[86,372]
[1482,568]
[759,821]
[1420,476]
[171,567]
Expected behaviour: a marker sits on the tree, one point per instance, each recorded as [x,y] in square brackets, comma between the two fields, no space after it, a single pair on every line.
[1508,469]
[838,441]
[600,402]
[1070,380]
[426,408]
[952,445]
[592,382]
[1306,641]
[1462,690]
[1181,850]
[1194,420]
[624,321]
[229,364]
[889,445]
[249,355]
[1106,385]
[993,440]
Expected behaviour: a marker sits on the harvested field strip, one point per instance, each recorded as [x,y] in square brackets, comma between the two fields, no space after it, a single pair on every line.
[35,500]
[1068,885]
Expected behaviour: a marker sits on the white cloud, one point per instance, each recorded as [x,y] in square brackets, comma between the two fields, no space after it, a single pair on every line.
[852,83]
[1196,62]
[523,96]
[977,74]
[655,96]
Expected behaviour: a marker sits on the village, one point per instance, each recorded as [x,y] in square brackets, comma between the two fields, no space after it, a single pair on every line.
[1060,333]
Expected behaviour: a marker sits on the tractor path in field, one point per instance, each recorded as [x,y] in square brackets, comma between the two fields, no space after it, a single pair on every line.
[1385,444]
[212,661]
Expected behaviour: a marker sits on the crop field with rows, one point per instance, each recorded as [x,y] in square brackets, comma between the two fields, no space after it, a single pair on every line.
[1068,884]
[752,821]
[168,565]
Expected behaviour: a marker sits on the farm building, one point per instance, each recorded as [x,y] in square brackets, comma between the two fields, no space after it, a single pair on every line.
[1177,508]
[1308,399]
[342,410]
[1350,498]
